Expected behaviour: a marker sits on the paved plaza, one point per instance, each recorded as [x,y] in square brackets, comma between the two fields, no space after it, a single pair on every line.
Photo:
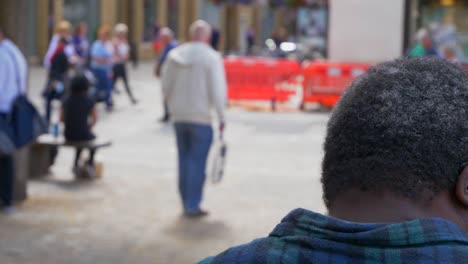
[133,214]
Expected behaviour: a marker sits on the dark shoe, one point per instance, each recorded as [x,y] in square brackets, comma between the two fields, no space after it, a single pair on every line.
[196,214]
[134,101]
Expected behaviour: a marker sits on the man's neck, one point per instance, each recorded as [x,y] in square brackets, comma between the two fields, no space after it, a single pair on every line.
[385,207]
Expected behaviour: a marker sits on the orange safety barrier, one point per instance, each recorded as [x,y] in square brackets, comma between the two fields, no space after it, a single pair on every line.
[325,82]
[251,78]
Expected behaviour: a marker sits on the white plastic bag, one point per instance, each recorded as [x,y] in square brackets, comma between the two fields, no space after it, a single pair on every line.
[218,162]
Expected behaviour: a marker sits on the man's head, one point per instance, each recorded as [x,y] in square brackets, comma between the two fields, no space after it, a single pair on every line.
[200,31]
[81,29]
[121,31]
[64,28]
[104,33]
[402,129]
[166,35]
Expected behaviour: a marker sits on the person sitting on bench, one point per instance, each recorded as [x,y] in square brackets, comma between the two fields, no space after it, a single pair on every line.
[79,116]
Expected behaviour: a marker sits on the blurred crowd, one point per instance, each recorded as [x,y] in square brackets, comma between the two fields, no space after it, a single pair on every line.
[437,40]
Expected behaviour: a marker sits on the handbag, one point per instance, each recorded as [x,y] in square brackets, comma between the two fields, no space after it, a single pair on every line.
[26,122]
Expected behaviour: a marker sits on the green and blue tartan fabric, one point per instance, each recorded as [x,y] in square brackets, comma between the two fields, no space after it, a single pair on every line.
[307,237]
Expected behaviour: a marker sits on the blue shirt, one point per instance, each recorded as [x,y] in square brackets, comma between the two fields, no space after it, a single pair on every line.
[166,51]
[307,237]
[102,50]
[81,45]
[13,74]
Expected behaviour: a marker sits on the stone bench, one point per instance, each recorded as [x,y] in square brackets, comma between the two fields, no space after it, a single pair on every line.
[40,158]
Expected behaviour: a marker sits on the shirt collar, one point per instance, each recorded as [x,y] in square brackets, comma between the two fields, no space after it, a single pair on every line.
[307,224]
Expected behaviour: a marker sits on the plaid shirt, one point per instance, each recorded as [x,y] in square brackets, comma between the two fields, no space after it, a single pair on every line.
[308,237]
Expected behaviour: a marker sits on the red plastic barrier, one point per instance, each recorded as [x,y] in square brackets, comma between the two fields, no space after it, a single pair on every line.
[259,78]
[325,82]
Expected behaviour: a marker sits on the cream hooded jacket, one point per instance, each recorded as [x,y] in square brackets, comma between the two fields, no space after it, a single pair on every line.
[194,84]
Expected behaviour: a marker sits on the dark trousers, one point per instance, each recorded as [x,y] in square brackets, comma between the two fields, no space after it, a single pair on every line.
[50,97]
[120,72]
[92,152]
[7,175]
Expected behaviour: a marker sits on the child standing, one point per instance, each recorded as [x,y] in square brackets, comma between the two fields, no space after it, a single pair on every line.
[79,116]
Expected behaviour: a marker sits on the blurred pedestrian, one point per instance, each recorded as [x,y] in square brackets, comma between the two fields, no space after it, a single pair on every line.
[424,45]
[13,82]
[450,54]
[81,43]
[250,40]
[60,41]
[121,57]
[57,76]
[79,116]
[156,33]
[194,84]
[102,53]
[168,43]
[63,31]
[215,38]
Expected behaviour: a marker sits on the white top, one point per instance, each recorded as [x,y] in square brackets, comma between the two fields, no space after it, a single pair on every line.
[194,83]
[69,50]
[13,73]
[121,52]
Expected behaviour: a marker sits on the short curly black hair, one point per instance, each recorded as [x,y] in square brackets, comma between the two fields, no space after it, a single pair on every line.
[402,127]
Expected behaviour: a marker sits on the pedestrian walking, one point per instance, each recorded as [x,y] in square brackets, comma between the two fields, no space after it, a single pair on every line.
[424,45]
[57,76]
[167,40]
[121,57]
[215,38]
[194,84]
[250,40]
[102,53]
[81,43]
[61,42]
[63,31]
[13,82]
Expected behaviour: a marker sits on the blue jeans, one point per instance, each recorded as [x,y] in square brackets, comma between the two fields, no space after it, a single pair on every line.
[193,145]
[7,175]
[103,86]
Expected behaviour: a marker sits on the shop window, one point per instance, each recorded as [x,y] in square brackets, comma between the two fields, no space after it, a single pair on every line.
[77,11]
[173,16]
[447,21]
[312,27]
[150,28]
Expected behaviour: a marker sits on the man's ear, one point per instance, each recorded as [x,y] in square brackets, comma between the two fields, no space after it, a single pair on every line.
[461,189]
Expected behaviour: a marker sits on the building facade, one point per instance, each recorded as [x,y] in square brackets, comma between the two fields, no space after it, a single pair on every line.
[33,23]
